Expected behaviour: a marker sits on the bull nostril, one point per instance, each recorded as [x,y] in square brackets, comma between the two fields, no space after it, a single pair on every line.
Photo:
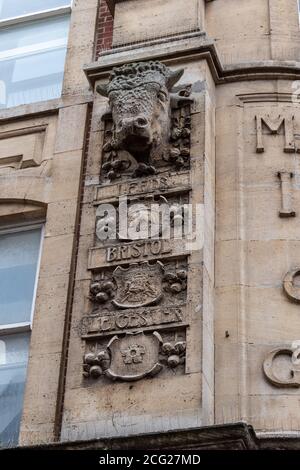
[141,122]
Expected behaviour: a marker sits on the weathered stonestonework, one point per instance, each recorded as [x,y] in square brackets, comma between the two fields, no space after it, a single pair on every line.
[137,323]
[143,336]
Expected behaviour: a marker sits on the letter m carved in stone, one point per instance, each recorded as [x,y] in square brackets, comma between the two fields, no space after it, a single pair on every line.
[273,124]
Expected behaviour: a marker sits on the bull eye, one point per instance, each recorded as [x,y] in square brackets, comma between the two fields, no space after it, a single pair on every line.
[162,96]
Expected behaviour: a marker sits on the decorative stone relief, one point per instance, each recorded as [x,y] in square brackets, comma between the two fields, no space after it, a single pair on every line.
[286,194]
[289,375]
[166,184]
[101,291]
[290,287]
[274,124]
[148,126]
[136,327]
[140,249]
[135,330]
[133,356]
[175,282]
[106,321]
[140,285]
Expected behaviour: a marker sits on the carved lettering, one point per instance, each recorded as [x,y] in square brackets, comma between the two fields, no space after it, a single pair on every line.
[292,379]
[290,287]
[286,194]
[148,185]
[99,324]
[138,250]
[274,125]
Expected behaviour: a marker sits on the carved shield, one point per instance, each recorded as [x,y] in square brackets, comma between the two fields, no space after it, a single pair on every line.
[139,285]
[134,356]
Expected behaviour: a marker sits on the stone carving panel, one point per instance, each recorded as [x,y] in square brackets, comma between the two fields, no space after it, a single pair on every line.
[136,326]
[105,321]
[134,356]
[140,285]
[135,309]
[148,126]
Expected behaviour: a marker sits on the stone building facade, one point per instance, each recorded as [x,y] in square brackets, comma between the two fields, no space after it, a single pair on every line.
[151,342]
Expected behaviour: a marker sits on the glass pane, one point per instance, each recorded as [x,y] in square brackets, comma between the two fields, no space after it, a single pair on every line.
[19,253]
[16,40]
[32,59]
[12,8]
[13,364]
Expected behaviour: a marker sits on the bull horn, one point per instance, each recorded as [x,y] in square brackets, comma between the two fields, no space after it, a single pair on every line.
[102,90]
[174,78]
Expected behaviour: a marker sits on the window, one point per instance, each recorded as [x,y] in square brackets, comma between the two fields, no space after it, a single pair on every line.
[14,8]
[19,259]
[32,50]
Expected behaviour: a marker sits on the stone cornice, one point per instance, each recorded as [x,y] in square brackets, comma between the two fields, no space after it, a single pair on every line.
[233,436]
[237,436]
[112,3]
[191,46]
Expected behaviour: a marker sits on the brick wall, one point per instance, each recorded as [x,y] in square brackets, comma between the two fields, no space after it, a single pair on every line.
[104,28]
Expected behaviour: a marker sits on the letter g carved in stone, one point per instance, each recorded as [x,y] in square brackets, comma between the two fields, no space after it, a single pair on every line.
[287,376]
[290,287]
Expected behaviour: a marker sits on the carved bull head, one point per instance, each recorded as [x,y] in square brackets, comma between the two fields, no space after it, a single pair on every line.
[140,102]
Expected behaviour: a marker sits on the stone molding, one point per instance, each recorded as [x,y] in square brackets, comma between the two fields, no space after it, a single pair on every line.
[112,3]
[233,436]
[194,45]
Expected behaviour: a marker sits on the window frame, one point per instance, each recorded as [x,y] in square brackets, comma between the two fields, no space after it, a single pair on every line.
[38,15]
[33,49]
[24,327]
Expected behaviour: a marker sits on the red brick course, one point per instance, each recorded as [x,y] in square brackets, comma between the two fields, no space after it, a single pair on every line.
[104,29]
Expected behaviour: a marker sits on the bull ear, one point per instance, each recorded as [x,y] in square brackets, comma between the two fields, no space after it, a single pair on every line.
[174,78]
[102,90]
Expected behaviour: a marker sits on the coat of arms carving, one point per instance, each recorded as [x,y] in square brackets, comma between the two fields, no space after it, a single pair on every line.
[139,285]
